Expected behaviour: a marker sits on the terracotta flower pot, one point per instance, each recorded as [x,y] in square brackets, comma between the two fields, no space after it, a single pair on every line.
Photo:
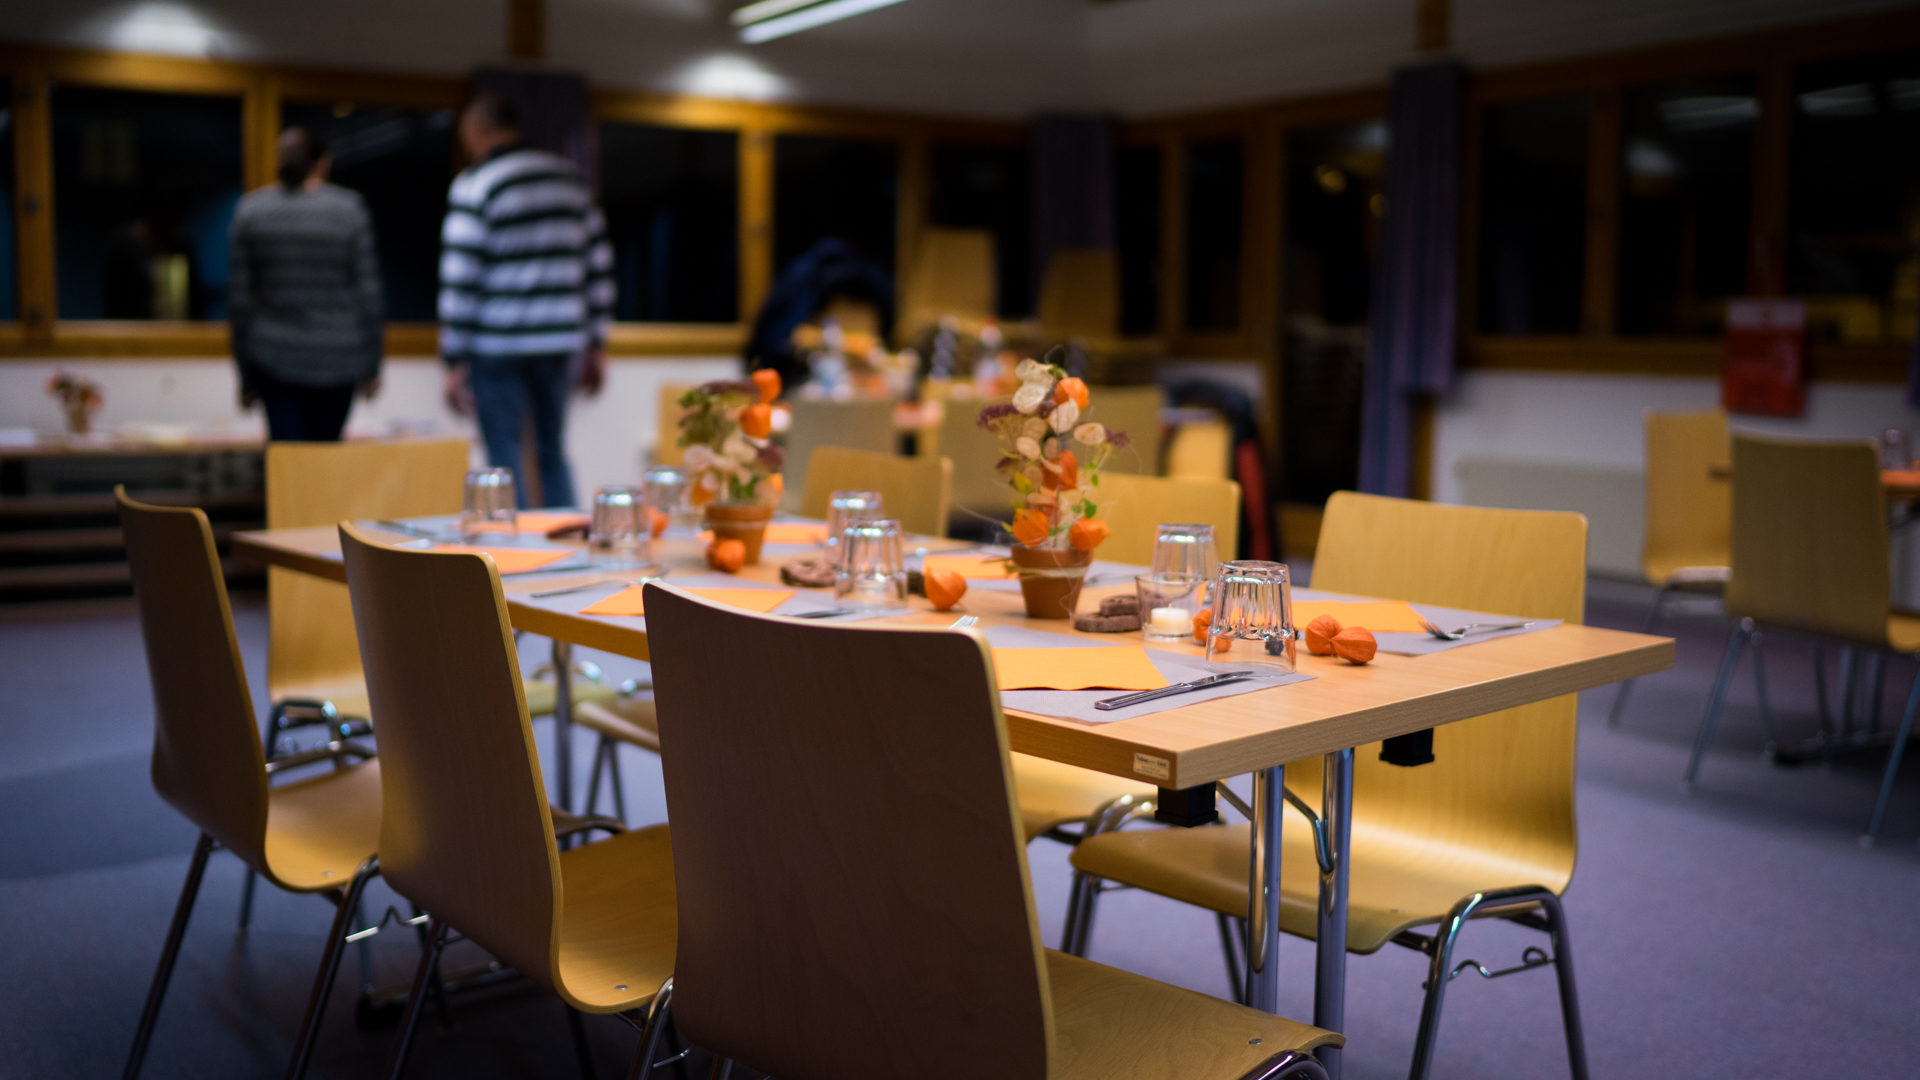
[746,523]
[79,419]
[1052,589]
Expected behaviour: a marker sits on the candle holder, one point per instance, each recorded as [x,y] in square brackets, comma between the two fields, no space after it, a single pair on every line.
[1168,603]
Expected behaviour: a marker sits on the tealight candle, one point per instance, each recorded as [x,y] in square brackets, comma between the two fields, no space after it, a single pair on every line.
[1170,621]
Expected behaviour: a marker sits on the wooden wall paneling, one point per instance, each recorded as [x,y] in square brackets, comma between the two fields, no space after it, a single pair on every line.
[756,219]
[33,204]
[260,113]
[1603,212]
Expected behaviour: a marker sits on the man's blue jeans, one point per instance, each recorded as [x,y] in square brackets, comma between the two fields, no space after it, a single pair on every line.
[506,390]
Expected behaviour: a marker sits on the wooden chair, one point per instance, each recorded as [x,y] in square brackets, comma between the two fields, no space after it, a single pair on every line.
[862,424]
[1201,450]
[1810,555]
[1689,512]
[1136,411]
[467,834]
[314,836]
[1135,506]
[914,490]
[978,487]
[907,946]
[952,275]
[666,446]
[1080,294]
[1487,828]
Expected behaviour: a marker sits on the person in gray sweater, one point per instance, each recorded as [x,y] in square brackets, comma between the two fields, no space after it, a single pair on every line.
[304,296]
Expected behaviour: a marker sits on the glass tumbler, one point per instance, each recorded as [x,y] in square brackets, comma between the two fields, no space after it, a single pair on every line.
[1186,549]
[1896,449]
[1168,603]
[1252,625]
[488,509]
[621,533]
[665,489]
[873,568]
[846,507]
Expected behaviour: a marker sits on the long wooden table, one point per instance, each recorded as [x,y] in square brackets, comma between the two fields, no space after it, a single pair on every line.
[1257,733]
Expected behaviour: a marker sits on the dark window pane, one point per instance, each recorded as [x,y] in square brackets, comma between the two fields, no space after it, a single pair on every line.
[1137,197]
[990,187]
[1533,216]
[1853,212]
[672,199]
[1686,204]
[9,277]
[1336,179]
[1214,200]
[144,187]
[400,161]
[841,188]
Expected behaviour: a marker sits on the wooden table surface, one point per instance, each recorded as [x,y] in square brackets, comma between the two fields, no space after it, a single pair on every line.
[1343,706]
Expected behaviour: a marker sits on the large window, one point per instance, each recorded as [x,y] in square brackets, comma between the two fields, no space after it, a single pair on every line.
[1214,201]
[9,280]
[1533,216]
[672,199]
[990,187]
[1137,202]
[144,186]
[1854,197]
[845,189]
[1686,204]
[400,161]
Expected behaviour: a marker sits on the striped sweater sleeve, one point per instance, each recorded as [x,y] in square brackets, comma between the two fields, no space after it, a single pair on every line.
[372,301]
[463,251]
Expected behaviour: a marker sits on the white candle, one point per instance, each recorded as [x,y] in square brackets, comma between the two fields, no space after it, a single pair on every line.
[1170,621]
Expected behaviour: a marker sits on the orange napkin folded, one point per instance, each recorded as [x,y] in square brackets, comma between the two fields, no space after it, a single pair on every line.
[1379,616]
[1100,667]
[971,567]
[1900,477]
[545,521]
[512,560]
[628,601]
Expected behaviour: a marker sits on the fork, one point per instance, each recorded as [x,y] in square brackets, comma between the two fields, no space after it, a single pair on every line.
[1471,628]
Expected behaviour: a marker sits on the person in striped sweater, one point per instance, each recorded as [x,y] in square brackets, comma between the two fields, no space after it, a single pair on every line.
[526,292]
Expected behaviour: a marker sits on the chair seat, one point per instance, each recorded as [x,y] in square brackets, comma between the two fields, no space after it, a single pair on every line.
[618,925]
[1110,1023]
[1052,794]
[629,720]
[319,830]
[350,698]
[1397,881]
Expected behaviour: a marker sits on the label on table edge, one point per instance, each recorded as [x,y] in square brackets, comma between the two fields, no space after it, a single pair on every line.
[1153,768]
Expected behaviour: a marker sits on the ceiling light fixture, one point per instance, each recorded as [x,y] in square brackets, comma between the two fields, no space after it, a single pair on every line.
[770,19]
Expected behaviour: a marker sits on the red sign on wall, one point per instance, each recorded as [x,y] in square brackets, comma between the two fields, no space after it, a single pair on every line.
[1765,371]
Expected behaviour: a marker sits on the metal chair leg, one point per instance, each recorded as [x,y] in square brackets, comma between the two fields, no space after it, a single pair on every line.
[246,899]
[1820,691]
[1559,937]
[1080,917]
[410,1020]
[345,921]
[722,1068]
[593,777]
[1230,950]
[1653,620]
[582,1053]
[1758,642]
[652,1030]
[1717,700]
[1070,926]
[157,992]
[1878,694]
[613,776]
[1894,753]
[1288,1065]
[1439,969]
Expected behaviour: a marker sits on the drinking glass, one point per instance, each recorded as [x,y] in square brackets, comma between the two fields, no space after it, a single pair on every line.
[665,489]
[1252,624]
[846,507]
[1185,549]
[621,534]
[1167,604]
[873,569]
[489,505]
[1896,449]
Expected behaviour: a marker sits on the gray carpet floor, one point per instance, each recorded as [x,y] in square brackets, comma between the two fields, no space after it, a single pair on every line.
[1738,931]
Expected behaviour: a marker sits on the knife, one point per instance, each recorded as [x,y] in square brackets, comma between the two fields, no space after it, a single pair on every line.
[1125,700]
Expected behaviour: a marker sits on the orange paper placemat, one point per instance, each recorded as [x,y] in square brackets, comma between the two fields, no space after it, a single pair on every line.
[786,532]
[544,521]
[628,600]
[971,567]
[1379,616]
[513,560]
[1105,667]
[1900,477]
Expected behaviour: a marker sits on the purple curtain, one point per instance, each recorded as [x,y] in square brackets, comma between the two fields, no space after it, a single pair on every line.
[555,112]
[1073,202]
[1415,287]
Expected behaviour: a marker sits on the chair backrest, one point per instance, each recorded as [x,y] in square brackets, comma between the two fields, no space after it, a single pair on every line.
[309,622]
[818,939]
[1134,507]
[666,439]
[207,759]
[977,484]
[465,831]
[860,424]
[1501,782]
[1689,510]
[1810,546]
[952,273]
[1080,294]
[1202,449]
[914,489]
[1136,411]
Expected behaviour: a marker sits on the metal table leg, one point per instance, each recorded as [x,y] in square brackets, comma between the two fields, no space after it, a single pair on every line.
[1330,936]
[563,721]
[1263,900]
